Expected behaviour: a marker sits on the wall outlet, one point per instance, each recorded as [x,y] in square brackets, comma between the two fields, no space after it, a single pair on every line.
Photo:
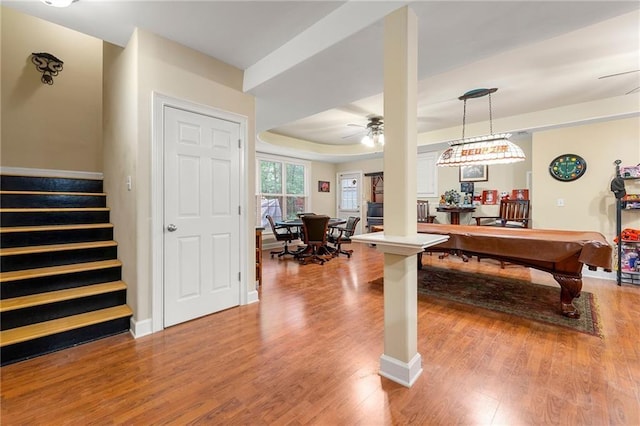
[128,183]
[560,202]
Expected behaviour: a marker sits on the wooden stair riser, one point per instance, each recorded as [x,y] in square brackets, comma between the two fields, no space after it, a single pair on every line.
[43,345]
[46,312]
[38,238]
[51,200]
[64,257]
[44,284]
[28,183]
[60,283]
[8,219]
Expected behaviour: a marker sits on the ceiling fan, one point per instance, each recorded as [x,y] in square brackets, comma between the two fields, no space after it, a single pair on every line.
[622,73]
[374,131]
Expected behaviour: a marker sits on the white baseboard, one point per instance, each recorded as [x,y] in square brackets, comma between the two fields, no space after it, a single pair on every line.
[23,171]
[141,328]
[400,372]
[252,297]
[586,272]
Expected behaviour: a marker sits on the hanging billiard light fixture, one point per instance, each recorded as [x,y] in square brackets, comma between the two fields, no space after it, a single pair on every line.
[487,149]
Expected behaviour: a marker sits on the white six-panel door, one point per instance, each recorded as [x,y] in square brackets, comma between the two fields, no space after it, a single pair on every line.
[201,215]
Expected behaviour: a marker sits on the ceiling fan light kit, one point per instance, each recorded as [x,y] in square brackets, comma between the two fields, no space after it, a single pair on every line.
[488,149]
[375,132]
[375,138]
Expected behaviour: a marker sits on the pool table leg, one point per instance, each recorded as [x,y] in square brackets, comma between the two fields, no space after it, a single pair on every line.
[570,288]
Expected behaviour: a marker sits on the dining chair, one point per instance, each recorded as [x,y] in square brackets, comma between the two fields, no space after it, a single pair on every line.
[339,235]
[314,229]
[423,213]
[512,214]
[282,233]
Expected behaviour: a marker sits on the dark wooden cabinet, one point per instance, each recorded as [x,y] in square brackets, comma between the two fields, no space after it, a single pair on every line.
[377,186]
[259,255]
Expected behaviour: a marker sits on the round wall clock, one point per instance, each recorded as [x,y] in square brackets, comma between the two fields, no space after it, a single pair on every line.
[567,167]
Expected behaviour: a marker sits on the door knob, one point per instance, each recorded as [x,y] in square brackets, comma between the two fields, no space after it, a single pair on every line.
[172,228]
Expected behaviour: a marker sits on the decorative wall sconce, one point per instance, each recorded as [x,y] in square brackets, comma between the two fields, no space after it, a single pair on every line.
[48,65]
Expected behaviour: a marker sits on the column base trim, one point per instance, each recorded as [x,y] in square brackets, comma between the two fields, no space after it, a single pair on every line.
[400,372]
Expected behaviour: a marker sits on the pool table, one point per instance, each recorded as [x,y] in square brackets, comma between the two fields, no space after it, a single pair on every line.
[561,253]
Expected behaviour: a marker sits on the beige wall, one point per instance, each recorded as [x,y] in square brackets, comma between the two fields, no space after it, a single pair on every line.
[171,69]
[55,126]
[120,156]
[589,203]
[323,202]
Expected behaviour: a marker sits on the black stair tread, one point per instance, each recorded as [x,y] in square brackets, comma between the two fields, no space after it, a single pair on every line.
[40,228]
[10,251]
[47,328]
[57,270]
[53,209]
[21,302]
[90,194]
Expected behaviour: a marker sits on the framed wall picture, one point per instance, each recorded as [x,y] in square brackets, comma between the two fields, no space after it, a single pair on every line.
[466,187]
[323,186]
[474,173]
[490,196]
[520,194]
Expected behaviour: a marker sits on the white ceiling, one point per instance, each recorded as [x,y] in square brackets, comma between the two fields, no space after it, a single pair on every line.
[316,66]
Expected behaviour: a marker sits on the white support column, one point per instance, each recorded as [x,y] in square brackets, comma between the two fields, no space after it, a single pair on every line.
[401,361]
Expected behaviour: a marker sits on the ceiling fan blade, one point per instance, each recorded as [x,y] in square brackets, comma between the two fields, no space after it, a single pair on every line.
[616,74]
[353,134]
[355,125]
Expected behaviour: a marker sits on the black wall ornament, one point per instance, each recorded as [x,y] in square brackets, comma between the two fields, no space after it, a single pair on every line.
[48,65]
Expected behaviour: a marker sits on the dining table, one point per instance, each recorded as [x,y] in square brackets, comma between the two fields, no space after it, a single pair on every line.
[296,226]
[454,212]
[297,223]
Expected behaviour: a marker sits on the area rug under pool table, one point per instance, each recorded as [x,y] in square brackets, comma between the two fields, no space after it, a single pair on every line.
[536,302]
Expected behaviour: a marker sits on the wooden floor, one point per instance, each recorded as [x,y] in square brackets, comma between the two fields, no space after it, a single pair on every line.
[308,353]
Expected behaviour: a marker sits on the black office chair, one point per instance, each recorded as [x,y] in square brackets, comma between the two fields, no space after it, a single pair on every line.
[282,233]
[339,235]
[314,229]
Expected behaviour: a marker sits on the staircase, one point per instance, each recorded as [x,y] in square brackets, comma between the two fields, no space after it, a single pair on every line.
[60,278]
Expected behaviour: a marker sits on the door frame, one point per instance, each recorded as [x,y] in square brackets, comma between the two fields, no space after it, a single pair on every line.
[159,102]
[361,200]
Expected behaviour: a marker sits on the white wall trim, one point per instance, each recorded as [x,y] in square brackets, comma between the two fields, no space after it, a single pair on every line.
[252,297]
[70,174]
[140,328]
[600,274]
[400,372]
[159,102]
[362,210]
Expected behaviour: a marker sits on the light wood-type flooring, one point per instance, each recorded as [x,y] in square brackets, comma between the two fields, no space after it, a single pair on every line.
[308,353]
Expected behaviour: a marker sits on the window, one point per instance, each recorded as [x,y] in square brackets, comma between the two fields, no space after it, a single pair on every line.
[282,188]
